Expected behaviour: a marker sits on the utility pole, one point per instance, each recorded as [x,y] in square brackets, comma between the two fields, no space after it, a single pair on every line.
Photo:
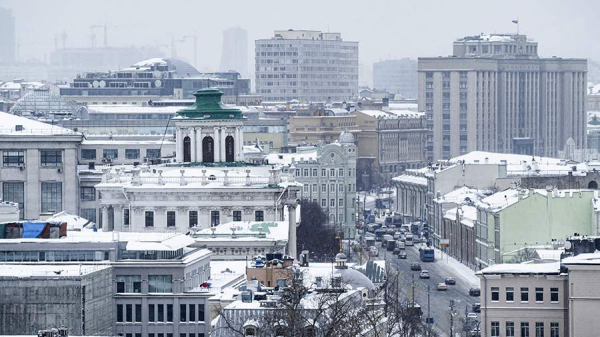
[428,312]
[451,318]
[413,289]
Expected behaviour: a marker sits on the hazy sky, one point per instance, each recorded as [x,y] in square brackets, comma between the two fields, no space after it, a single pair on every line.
[385,28]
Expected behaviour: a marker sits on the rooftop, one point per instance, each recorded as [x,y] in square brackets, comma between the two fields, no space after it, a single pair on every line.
[208,105]
[246,230]
[583,259]
[43,270]
[551,268]
[20,126]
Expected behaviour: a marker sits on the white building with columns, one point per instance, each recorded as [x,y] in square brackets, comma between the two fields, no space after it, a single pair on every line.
[209,185]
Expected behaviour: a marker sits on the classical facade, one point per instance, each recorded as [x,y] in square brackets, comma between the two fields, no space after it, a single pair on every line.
[496,94]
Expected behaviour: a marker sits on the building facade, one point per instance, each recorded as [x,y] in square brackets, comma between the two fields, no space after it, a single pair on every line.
[310,66]
[396,77]
[495,94]
[234,55]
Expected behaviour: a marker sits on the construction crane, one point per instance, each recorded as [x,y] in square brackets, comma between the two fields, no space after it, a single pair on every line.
[93,36]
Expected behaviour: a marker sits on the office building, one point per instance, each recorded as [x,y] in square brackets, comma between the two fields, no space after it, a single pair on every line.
[396,77]
[234,55]
[7,36]
[496,94]
[310,66]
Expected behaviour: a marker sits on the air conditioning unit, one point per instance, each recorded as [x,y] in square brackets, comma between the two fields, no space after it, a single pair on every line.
[21,168]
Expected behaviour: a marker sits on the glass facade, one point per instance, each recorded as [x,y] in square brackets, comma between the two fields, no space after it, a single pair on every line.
[51,197]
[160,284]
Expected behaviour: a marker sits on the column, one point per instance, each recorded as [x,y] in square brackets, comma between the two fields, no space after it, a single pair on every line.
[217,144]
[222,147]
[105,218]
[179,144]
[292,231]
[199,138]
[239,142]
[118,220]
[193,145]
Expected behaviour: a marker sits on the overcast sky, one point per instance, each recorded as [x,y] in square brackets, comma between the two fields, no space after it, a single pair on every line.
[386,29]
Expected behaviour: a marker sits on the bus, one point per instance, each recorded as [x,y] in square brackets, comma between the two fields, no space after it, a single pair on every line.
[427,254]
[409,240]
[391,245]
[379,235]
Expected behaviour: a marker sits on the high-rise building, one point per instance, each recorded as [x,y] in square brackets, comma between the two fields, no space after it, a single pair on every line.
[496,94]
[307,65]
[7,36]
[396,77]
[234,55]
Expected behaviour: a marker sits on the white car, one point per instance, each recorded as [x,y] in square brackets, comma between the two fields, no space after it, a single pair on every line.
[472,316]
[424,274]
[442,286]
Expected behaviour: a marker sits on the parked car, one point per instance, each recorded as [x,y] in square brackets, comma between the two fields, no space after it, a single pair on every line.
[476,292]
[415,266]
[424,274]
[477,307]
[442,286]
[472,316]
[450,281]
[402,254]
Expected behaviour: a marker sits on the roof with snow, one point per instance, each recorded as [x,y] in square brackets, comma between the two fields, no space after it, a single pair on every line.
[12,125]
[74,222]
[178,67]
[583,259]
[45,270]
[550,268]
[246,230]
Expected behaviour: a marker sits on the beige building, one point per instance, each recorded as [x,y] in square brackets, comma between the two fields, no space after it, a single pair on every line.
[321,128]
[496,94]
[584,296]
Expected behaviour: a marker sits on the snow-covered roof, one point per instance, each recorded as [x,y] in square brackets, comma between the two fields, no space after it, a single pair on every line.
[413,177]
[127,142]
[585,259]
[30,127]
[376,113]
[287,159]
[549,254]
[74,222]
[350,276]
[468,214]
[171,244]
[552,268]
[88,235]
[407,113]
[132,109]
[482,157]
[463,195]
[54,271]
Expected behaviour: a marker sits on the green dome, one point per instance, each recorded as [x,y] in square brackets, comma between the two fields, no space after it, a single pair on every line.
[208,105]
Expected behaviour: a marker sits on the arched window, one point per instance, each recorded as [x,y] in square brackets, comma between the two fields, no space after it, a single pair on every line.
[250,331]
[187,150]
[229,149]
[208,150]
[593,185]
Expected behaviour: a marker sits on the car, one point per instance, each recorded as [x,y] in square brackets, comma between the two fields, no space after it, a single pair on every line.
[424,274]
[476,307]
[475,292]
[450,281]
[415,266]
[396,251]
[442,286]
[472,316]
[402,254]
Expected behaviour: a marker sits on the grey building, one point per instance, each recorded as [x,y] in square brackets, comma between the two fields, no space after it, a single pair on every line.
[234,55]
[311,66]
[7,36]
[396,77]
[37,297]
[496,94]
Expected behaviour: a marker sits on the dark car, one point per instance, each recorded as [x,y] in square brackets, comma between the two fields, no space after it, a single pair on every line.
[415,266]
[397,251]
[477,307]
[450,281]
[476,292]
[402,254]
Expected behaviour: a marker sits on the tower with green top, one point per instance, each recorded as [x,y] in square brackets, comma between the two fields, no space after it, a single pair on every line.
[209,131]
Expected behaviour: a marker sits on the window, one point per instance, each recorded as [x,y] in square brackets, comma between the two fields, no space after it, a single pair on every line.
[259,216]
[332,188]
[553,295]
[524,329]
[110,154]
[193,218]
[87,193]
[323,173]
[51,197]
[510,294]
[341,203]
[306,172]
[129,284]
[161,313]
[149,219]
[539,294]
[160,284]
[315,172]
[495,329]
[125,217]
[192,312]
[332,203]
[153,153]
[170,218]
[495,294]
[324,188]
[169,312]
[341,172]
[332,172]
[200,313]
[51,158]
[554,330]
[539,329]
[138,313]
[13,158]
[151,317]
[120,313]
[237,215]
[132,154]
[214,218]
[323,202]
[88,154]
[510,329]
[14,191]
[524,294]
[250,331]
[128,313]
[182,312]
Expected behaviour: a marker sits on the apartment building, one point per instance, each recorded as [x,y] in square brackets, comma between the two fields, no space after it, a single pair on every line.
[396,77]
[306,65]
[496,94]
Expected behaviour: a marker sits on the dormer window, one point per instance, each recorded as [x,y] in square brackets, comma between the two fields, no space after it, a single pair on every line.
[250,331]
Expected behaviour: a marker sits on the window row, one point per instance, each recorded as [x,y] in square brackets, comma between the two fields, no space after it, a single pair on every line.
[332,172]
[525,329]
[113,154]
[332,188]
[53,256]
[215,217]
[51,195]
[16,158]
[524,292]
